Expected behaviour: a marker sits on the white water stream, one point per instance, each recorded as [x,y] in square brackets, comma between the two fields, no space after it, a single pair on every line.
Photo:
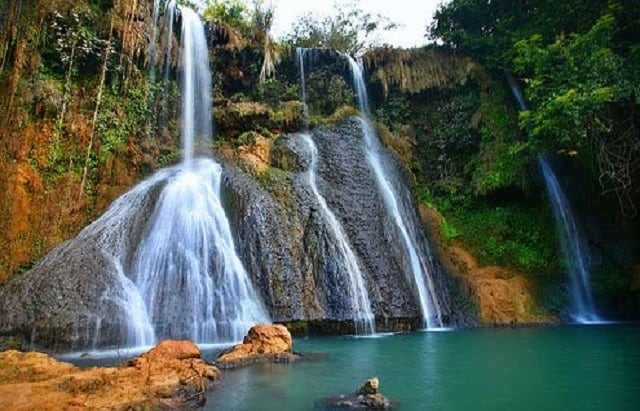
[420,274]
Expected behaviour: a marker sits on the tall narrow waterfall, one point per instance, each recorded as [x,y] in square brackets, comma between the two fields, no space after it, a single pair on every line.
[574,248]
[182,278]
[418,263]
[196,85]
[360,305]
[300,55]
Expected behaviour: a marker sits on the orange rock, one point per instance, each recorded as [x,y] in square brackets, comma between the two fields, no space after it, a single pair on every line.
[172,350]
[263,342]
[504,296]
[171,375]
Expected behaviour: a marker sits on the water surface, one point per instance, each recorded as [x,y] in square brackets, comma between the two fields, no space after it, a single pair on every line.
[561,368]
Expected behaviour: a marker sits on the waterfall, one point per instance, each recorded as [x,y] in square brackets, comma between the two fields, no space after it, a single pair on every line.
[419,266]
[300,54]
[360,305]
[187,269]
[574,248]
[363,317]
[183,277]
[196,84]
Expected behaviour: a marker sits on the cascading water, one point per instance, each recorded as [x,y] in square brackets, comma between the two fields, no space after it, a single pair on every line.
[363,317]
[183,279]
[196,85]
[574,248]
[421,276]
[360,305]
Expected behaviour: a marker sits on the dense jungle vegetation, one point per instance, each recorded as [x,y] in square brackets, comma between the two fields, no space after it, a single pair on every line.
[87,112]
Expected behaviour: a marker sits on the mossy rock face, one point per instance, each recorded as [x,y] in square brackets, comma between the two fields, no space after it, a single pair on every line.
[287,155]
[335,327]
[234,118]
[288,117]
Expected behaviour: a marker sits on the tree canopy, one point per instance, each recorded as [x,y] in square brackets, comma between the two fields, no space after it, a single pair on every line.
[350,30]
[579,64]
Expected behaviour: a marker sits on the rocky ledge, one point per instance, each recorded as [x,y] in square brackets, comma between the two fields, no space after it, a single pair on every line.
[263,343]
[169,376]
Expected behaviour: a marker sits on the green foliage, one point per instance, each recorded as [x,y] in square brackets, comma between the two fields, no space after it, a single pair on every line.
[503,156]
[350,30]
[445,138]
[120,118]
[449,231]
[232,12]
[580,64]
[74,42]
[513,236]
[273,91]
[568,83]
[487,29]
[327,92]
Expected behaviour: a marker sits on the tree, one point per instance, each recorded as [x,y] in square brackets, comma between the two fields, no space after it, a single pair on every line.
[350,30]
[579,62]
[231,12]
[487,29]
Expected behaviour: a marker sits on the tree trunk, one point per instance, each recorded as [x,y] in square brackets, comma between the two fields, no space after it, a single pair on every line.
[103,75]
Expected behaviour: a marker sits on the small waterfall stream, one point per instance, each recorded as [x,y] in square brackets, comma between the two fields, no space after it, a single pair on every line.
[360,305]
[574,248]
[421,276]
[363,317]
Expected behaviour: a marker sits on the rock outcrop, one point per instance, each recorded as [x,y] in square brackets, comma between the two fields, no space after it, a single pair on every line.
[70,300]
[171,375]
[73,299]
[290,251]
[263,343]
[503,296]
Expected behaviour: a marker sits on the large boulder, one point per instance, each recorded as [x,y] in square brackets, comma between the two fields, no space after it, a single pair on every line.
[71,299]
[261,344]
[170,376]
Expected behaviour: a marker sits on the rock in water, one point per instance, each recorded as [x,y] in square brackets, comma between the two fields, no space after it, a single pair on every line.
[369,387]
[366,397]
[170,376]
[263,343]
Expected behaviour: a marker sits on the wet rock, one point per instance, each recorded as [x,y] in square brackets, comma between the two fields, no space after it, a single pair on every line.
[68,301]
[263,343]
[290,250]
[366,397]
[369,387]
[172,375]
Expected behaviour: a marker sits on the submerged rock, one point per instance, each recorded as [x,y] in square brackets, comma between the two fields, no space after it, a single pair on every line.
[366,397]
[171,375]
[263,343]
